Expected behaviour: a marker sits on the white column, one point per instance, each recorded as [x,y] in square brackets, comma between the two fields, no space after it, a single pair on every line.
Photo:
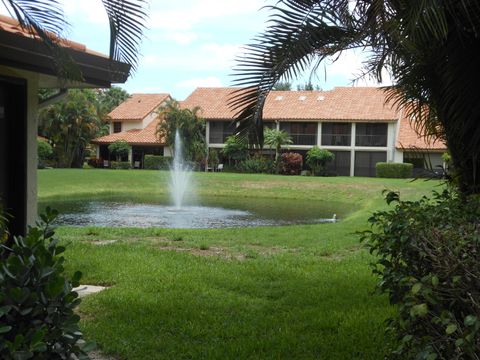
[319,133]
[352,151]
[391,136]
[32,111]
[130,155]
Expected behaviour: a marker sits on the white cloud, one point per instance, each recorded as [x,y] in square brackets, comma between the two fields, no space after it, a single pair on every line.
[210,81]
[91,11]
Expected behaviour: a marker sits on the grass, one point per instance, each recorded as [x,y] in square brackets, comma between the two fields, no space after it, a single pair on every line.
[289,292]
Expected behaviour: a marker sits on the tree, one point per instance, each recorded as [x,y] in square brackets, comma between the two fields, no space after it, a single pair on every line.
[119,148]
[70,125]
[235,149]
[46,18]
[282,86]
[317,159]
[109,99]
[308,86]
[276,139]
[190,126]
[428,47]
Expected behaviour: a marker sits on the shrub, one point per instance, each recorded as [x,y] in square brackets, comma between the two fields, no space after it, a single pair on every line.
[235,149]
[119,149]
[394,170]
[428,253]
[257,164]
[317,160]
[95,162]
[291,163]
[157,162]
[120,165]
[45,150]
[36,298]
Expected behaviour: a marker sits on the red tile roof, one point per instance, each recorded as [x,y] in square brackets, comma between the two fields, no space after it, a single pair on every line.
[137,107]
[11,25]
[339,104]
[409,139]
[146,136]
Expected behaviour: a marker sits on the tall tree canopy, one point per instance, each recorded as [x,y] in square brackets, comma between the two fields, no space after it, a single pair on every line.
[70,125]
[429,47]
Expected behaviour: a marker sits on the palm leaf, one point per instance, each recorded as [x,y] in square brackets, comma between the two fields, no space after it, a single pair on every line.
[126,19]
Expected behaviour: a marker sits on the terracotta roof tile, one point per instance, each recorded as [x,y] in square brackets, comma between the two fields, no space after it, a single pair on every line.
[341,103]
[137,106]
[11,25]
[409,139]
[146,136]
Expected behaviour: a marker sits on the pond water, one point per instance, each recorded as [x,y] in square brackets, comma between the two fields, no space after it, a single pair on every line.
[217,212]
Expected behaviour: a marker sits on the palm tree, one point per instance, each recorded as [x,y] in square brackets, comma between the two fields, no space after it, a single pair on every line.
[428,47]
[276,139]
[46,18]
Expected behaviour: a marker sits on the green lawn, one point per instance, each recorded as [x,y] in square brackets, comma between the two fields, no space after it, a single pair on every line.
[287,292]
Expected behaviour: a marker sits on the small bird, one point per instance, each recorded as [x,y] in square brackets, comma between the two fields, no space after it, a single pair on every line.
[334,218]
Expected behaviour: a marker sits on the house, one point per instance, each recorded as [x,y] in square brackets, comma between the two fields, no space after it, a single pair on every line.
[135,121]
[355,123]
[26,65]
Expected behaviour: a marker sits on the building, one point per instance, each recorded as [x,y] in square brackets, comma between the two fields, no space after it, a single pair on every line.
[355,123]
[135,121]
[26,65]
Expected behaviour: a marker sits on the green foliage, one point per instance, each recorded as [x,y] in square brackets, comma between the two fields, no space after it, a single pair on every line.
[120,165]
[44,151]
[119,148]
[317,160]
[70,125]
[157,162]
[36,299]
[276,139]
[308,86]
[213,159]
[190,126]
[394,170]
[235,149]
[109,99]
[428,253]
[291,163]
[282,86]
[256,164]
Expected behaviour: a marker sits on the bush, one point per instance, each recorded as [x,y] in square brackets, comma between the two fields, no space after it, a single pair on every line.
[95,162]
[317,160]
[428,255]
[157,162]
[44,150]
[256,164]
[36,298]
[119,149]
[394,170]
[291,163]
[120,165]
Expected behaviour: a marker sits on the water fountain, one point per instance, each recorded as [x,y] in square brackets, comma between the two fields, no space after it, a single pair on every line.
[184,212]
[180,174]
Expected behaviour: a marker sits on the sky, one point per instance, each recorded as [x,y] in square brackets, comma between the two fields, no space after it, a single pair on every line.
[192,43]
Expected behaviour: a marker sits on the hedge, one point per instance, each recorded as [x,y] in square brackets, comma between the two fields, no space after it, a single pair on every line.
[157,162]
[394,170]
[120,165]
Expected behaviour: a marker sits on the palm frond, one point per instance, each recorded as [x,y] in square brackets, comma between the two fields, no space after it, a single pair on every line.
[127,23]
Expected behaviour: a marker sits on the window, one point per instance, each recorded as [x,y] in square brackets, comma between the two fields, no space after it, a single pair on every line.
[365,162]
[337,134]
[371,135]
[117,126]
[302,133]
[340,166]
[220,130]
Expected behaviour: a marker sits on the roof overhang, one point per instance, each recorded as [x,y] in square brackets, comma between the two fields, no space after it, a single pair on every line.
[21,52]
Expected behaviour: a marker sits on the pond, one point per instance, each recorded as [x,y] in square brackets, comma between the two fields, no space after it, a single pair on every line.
[215,212]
